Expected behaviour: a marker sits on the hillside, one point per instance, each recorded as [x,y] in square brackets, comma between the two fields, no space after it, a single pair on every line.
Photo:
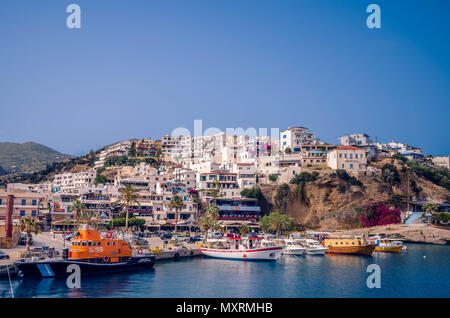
[26,157]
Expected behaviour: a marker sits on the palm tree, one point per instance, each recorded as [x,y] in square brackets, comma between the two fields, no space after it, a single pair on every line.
[209,221]
[128,196]
[244,229]
[176,203]
[429,208]
[78,207]
[30,224]
[276,222]
[215,192]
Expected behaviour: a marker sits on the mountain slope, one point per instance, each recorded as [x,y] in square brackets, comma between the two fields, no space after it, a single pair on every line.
[27,157]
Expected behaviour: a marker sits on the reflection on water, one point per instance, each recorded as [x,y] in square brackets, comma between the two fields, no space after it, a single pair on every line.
[407,274]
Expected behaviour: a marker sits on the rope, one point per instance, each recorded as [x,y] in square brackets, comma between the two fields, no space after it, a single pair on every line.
[10,284]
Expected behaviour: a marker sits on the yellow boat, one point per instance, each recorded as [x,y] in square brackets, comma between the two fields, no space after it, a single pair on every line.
[387,246]
[355,245]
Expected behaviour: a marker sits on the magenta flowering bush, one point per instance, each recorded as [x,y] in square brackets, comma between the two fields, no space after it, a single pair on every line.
[376,213]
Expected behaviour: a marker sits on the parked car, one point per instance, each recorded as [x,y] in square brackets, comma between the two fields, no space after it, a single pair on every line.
[180,238]
[195,238]
[23,240]
[166,236]
[3,255]
[215,235]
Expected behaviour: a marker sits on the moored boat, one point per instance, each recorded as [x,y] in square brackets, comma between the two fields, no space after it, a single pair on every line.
[294,248]
[313,247]
[92,254]
[251,248]
[354,245]
[386,245]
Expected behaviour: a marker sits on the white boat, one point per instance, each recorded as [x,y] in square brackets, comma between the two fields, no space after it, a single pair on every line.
[293,248]
[251,248]
[313,247]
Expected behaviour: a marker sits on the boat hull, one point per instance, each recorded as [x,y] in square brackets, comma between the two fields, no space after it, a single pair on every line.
[294,251]
[260,254]
[391,249]
[359,250]
[60,268]
[316,251]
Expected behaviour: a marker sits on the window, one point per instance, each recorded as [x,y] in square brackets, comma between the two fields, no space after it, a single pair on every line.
[34,202]
[24,202]
[22,212]
[114,243]
[84,243]
[351,156]
[107,243]
[0,201]
[343,166]
[356,155]
[33,213]
[340,155]
[351,166]
[90,243]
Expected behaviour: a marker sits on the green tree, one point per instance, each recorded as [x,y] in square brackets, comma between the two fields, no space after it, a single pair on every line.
[210,220]
[273,177]
[276,222]
[132,150]
[28,225]
[177,204]
[128,196]
[288,151]
[77,207]
[99,179]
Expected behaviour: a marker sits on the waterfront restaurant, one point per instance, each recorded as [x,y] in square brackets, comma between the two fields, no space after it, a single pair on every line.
[240,210]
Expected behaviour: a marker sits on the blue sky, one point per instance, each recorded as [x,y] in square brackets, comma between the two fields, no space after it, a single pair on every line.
[142,68]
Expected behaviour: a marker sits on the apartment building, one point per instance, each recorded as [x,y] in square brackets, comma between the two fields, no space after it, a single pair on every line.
[349,158]
[148,148]
[26,203]
[295,138]
[73,180]
[356,140]
[246,174]
[118,149]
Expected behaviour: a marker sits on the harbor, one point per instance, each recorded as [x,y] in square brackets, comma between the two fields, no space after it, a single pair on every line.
[411,274]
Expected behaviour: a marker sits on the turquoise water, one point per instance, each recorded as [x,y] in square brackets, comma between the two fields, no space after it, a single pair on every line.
[407,274]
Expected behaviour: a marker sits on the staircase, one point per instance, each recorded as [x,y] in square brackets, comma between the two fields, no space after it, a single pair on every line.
[413,217]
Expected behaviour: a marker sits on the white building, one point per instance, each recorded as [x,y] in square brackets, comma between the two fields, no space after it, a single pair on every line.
[295,138]
[357,140]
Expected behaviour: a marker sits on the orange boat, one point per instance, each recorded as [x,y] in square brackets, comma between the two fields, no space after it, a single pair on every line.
[355,245]
[92,253]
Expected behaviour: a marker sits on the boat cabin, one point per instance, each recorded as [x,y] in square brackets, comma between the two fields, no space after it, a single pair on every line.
[87,244]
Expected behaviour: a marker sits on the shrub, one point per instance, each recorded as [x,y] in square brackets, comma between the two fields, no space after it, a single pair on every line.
[376,213]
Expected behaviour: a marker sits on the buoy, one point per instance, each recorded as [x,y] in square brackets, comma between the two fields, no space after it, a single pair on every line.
[140,251]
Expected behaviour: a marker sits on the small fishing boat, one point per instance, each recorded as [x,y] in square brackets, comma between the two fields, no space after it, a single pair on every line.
[354,245]
[248,248]
[293,248]
[92,254]
[386,245]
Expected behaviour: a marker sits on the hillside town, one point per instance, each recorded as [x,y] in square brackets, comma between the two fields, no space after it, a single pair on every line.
[199,170]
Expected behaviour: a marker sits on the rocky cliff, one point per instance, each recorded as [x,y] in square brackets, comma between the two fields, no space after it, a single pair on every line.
[334,202]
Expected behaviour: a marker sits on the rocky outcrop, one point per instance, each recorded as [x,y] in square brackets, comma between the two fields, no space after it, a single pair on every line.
[331,203]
